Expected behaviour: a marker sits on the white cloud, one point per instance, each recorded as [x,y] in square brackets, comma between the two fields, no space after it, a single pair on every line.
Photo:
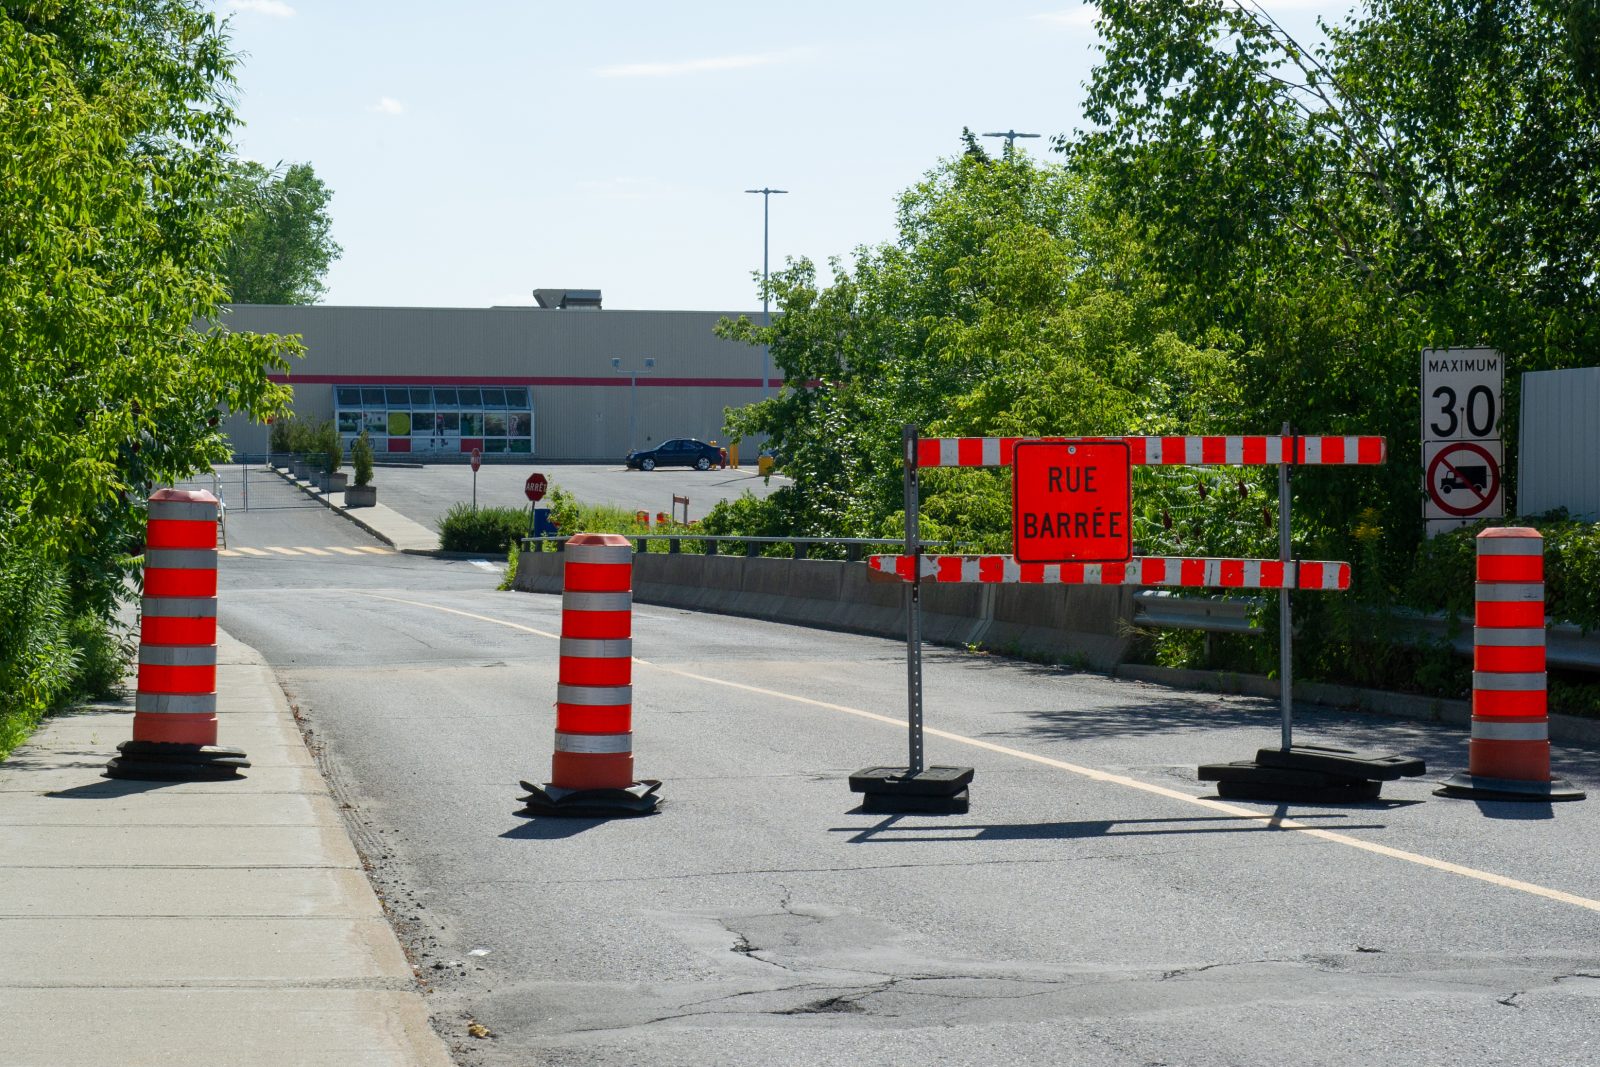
[388,105]
[695,66]
[1081,17]
[275,8]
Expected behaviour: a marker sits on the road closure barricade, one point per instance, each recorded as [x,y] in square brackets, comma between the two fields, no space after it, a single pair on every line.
[591,773]
[1287,772]
[1508,755]
[175,707]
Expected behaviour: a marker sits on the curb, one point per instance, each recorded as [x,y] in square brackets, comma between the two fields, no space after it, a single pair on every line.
[316,494]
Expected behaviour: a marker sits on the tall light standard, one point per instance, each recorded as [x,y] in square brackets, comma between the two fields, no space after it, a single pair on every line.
[633,389]
[766,320]
[1010,136]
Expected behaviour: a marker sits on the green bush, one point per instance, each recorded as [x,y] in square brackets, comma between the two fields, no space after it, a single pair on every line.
[37,661]
[329,446]
[278,439]
[1441,578]
[361,459]
[485,530]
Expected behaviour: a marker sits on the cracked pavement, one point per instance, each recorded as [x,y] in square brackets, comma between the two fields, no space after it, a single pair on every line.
[761,918]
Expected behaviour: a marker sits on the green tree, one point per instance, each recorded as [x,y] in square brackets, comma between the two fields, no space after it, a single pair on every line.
[1428,177]
[282,240]
[114,126]
[1007,305]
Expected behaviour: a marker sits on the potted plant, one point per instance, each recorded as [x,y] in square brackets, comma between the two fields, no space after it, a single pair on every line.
[363,494]
[299,444]
[331,450]
[278,441]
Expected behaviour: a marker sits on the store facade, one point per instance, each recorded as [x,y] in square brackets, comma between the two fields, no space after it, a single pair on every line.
[548,382]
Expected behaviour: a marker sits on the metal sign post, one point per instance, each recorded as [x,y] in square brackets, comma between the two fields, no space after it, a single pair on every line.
[1285,620]
[913,549]
[915,787]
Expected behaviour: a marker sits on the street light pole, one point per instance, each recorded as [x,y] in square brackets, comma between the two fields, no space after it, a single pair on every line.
[1010,136]
[633,390]
[766,319]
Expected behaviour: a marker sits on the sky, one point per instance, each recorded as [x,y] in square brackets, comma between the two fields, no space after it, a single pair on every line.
[480,150]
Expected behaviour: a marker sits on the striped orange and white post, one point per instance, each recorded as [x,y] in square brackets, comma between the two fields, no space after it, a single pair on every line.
[1508,756]
[175,708]
[591,772]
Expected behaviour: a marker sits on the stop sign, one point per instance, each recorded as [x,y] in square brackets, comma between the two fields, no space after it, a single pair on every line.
[477,459]
[535,487]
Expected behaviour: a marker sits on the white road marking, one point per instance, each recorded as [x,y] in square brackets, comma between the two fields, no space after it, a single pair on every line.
[1271,822]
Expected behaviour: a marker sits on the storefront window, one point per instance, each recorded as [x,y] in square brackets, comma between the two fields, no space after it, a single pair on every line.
[438,421]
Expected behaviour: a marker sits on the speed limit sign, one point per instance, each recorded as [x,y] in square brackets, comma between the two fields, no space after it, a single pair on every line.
[1463,393]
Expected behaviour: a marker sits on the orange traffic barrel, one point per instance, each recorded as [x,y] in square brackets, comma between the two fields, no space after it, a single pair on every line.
[1508,754]
[591,773]
[175,706]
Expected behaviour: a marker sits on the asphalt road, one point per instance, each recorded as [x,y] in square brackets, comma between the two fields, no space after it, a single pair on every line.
[1093,908]
[424,494]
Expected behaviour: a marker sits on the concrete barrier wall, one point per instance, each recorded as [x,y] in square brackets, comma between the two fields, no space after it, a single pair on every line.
[1085,624]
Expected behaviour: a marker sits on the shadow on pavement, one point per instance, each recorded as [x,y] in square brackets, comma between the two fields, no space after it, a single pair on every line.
[1069,831]
[109,789]
[551,829]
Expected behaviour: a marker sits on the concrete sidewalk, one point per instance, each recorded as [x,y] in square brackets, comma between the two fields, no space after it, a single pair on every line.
[193,923]
[379,520]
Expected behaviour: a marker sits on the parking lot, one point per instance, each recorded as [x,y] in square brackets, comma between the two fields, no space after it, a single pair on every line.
[425,493]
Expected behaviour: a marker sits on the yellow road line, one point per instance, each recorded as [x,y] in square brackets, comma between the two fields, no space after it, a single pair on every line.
[251,551]
[226,552]
[375,551]
[313,551]
[1272,821]
[343,551]
[282,551]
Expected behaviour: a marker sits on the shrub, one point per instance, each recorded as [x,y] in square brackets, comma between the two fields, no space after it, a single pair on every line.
[330,446]
[361,459]
[278,439]
[37,661]
[485,530]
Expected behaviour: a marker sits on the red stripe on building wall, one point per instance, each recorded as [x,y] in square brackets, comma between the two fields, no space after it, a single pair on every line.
[621,380]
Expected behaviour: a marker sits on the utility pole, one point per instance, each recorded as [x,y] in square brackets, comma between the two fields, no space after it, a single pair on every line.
[766,319]
[1010,136]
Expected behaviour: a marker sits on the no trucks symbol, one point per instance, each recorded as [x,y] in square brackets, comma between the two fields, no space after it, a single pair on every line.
[1464,480]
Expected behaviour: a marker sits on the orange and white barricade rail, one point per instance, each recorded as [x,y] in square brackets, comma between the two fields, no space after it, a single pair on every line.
[591,772]
[1508,755]
[1238,450]
[175,707]
[1181,571]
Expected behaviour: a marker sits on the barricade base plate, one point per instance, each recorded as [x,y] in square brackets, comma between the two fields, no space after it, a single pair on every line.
[1477,786]
[156,761]
[1357,791]
[1248,780]
[914,803]
[1348,763]
[637,799]
[928,782]
[1250,771]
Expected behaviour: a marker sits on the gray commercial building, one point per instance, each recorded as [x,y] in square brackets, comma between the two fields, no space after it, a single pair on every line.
[562,381]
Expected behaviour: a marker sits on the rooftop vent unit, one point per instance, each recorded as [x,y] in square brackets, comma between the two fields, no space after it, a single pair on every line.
[568,299]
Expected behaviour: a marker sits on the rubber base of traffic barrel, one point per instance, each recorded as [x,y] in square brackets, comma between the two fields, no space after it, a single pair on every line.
[638,799]
[1480,787]
[154,761]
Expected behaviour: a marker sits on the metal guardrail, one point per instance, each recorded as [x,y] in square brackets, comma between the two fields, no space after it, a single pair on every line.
[1567,646]
[1218,615]
[855,547]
